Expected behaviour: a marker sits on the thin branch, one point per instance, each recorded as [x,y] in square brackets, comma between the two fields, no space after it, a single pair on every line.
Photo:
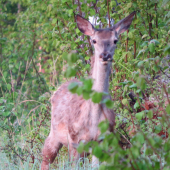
[124,137]
[164,73]
[108,11]
[30,101]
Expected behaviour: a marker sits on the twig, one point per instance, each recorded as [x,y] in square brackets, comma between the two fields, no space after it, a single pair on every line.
[79,7]
[164,87]
[164,73]
[124,137]
[30,101]
[126,46]
[32,110]
[108,11]
[135,41]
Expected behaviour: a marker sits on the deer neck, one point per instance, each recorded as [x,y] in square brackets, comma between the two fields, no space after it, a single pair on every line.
[101,75]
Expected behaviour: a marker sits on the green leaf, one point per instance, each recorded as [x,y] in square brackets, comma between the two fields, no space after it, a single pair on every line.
[158,139]
[138,91]
[104,125]
[70,72]
[54,21]
[141,63]
[140,138]
[145,43]
[73,87]
[140,52]
[144,36]
[122,83]
[77,30]
[86,94]
[131,35]
[64,55]
[141,83]
[79,90]
[8,86]
[15,113]
[155,41]
[151,47]
[149,151]
[97,97]
[139,115]
[80,147]
[136,106]
[71,58]
[158,128]
[156,68]
[92,12]
[150,114]
[133,86]
[70,11]
[168,109]
[87,58]
[87,84]
[102,166]
[11,66]
[125,101]
[6,114]
[167,49]
[108,103]
[87,66]
[12,119]
[97,151]
[166,146]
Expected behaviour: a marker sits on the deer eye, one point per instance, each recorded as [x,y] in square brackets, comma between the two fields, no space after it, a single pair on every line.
[94,41]
[115,41]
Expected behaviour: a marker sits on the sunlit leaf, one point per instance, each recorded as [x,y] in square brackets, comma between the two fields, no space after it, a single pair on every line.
[139,115]
[151,47]
[97,97]
[168,109]
[73,87]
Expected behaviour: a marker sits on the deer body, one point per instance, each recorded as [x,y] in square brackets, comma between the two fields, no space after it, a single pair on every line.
[74,119]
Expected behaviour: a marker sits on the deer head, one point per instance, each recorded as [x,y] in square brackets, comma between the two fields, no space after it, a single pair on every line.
[104,40]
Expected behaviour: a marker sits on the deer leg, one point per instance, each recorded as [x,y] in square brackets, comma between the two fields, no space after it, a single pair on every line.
[49,152]
[73,154]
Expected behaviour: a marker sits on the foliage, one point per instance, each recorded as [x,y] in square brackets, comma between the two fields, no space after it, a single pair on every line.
[41,47]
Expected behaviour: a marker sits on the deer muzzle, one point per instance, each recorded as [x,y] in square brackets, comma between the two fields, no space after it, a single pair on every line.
[105,57]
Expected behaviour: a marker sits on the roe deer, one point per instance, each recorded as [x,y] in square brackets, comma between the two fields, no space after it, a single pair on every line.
[74,119]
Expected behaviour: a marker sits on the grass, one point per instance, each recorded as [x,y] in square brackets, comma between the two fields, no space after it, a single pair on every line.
[61,163]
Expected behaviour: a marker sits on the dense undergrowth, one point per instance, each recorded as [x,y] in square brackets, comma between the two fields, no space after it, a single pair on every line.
[41,47]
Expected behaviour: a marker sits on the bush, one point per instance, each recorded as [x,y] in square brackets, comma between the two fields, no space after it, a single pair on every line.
[36,39]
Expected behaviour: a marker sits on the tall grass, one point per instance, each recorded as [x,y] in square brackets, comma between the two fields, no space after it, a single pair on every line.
[61,163]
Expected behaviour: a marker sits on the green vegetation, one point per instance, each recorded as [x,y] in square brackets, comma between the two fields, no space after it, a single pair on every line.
[38,41]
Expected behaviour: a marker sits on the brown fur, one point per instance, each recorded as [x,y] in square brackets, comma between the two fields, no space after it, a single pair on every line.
[70,123]
[74,119]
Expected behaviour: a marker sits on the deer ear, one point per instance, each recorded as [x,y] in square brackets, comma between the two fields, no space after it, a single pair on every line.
[84,25]
[124,24]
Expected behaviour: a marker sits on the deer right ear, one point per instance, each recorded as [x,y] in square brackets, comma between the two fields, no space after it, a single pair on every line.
[84,25]
[124,24]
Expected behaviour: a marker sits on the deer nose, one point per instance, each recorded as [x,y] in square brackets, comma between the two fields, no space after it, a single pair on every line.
[105,56]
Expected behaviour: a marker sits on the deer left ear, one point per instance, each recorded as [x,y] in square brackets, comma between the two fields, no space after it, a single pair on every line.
[124,24]
[84,25]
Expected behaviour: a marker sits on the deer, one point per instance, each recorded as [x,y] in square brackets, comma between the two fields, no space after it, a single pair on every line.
[74,119]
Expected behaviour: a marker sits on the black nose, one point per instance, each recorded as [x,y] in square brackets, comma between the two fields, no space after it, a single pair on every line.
[105,56]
